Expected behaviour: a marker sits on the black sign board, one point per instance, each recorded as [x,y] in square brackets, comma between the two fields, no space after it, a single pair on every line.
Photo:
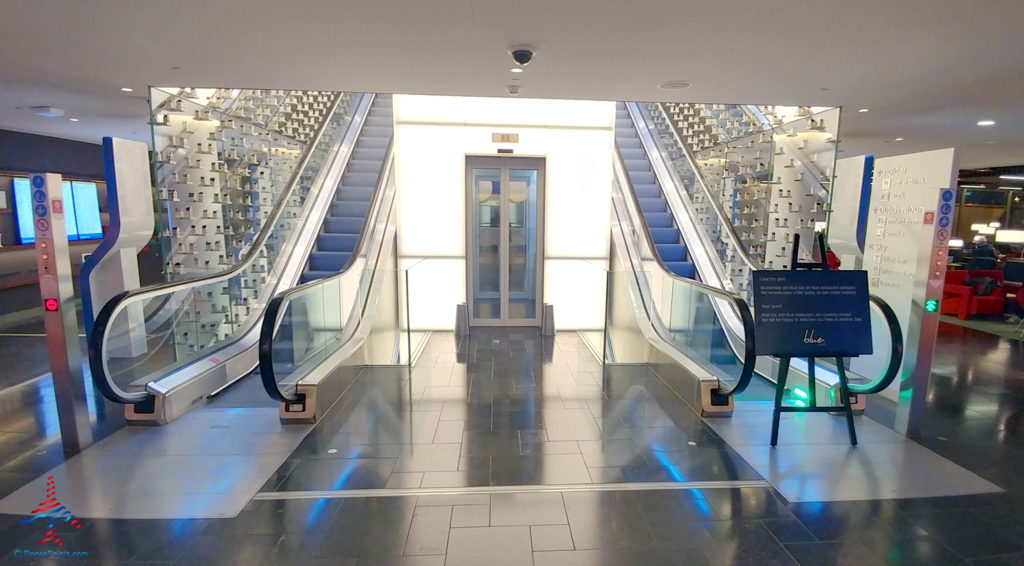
[811,313]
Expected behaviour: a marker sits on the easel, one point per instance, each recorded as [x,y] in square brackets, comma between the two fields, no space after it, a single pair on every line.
[780,387]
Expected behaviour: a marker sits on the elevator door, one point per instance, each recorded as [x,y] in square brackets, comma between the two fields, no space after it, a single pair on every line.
[505,211]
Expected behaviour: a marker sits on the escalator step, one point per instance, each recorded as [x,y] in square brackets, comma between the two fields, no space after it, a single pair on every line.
[328,261]
[637,165]
[642,177]
[652,205]
[658,219]
[363,166]
[682,268]
[337,242]
[310,275]
[350,225]
[354,194]
[359,179]
[349,209]
[665,235]
[628,142]
[672,252]
[369,154]
[647,191]
[380,121]
[629,153]
[367,143]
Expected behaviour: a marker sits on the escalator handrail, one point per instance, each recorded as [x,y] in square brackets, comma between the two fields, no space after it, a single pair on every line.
[895,354]
[95,341]
[741,306]
[723,219]
[896,333]
[269,326]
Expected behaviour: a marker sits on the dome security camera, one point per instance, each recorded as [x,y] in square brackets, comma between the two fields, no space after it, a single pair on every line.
[522,55]
[513,90]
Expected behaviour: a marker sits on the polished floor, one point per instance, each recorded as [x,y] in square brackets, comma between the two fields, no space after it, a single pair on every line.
[636,504]
[507,407]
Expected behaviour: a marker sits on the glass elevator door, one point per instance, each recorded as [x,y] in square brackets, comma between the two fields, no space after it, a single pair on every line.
[505,211]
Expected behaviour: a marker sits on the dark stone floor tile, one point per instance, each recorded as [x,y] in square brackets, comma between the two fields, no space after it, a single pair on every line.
[917,550]
[788,530]
[609,519]
[1016,559]
[968,535]
[845,553]
[334,474]
[293,516]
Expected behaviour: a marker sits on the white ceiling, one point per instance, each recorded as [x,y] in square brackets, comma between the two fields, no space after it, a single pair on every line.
[927,69]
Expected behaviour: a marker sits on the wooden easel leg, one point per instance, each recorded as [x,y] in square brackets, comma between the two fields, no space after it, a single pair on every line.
[780,388]
[844,392]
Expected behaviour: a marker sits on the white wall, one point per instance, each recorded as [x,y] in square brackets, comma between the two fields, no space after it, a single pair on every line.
[434,134]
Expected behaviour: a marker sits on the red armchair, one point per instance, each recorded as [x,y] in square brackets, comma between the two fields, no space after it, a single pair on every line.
[963,301]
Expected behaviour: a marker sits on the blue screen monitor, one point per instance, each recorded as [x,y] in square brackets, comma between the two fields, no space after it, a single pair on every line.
[81,210]
[87,210]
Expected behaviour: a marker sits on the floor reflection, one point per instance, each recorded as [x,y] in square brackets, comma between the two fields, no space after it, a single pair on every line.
[507,407]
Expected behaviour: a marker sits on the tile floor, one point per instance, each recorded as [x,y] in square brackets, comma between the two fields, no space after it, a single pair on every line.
[506,407]
[972,419]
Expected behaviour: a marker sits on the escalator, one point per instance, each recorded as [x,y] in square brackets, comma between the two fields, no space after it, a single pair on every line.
[161,350]
[698,318]
[662,225]
[340,232]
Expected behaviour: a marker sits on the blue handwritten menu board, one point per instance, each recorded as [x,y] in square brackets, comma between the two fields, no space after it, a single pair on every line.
[811,313]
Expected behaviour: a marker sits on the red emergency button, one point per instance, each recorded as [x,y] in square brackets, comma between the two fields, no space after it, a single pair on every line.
[51,305]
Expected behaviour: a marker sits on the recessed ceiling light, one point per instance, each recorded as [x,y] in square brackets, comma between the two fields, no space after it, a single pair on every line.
[47,111]
[1011,188]
[127,89]
[972,186]
[1012,177]
[516,70]
[675,85]
[986,122]
[864,110]
[72,119]
[898,139]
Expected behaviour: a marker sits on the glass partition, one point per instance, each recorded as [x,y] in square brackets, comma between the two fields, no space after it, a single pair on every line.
[359,307]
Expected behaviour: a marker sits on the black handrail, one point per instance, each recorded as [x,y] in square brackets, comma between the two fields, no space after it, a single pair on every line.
[270,319]
[895,356]
[105,315]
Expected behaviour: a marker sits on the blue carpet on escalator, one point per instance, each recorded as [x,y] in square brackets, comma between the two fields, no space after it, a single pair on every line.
[663,227]
[339,234]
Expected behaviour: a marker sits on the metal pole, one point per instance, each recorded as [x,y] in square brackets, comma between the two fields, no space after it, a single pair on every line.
[59,317]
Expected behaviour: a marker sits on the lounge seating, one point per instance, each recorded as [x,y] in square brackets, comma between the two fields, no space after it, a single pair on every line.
[963,300]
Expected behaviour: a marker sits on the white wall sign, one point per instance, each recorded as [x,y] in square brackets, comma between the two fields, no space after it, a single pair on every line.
[908,231]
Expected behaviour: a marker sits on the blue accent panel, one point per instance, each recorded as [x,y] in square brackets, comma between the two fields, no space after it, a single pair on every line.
[88,309]
[865,200]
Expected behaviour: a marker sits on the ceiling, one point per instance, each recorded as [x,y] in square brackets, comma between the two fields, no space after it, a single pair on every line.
[929,70]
